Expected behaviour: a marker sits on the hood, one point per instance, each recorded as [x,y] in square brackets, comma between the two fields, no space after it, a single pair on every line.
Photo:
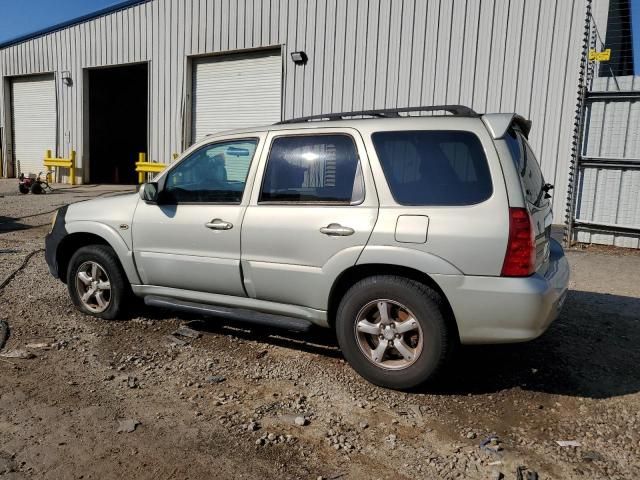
[116,209]
[116,212]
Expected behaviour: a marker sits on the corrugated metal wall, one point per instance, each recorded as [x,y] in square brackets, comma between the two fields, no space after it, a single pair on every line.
[609,175]
[493,55]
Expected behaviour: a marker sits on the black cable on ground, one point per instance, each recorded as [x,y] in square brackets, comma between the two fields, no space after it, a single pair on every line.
[6,281]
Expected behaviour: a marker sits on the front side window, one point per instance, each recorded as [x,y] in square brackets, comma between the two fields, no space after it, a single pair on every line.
[434,167]
[215,173]
[313,168]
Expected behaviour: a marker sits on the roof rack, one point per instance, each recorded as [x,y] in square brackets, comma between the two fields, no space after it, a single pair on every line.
[459,110]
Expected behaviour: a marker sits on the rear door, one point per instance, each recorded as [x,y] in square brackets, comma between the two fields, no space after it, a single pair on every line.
[310,216]
[535,194]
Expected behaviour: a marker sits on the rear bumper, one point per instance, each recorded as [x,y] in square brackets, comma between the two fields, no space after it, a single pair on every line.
[506,310]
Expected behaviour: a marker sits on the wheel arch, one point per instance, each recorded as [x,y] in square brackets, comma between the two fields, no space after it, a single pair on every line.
[359,272]
[80,234]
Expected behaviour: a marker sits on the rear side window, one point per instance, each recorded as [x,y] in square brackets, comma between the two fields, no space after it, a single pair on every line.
[434,167]
[313,168]
[527,166]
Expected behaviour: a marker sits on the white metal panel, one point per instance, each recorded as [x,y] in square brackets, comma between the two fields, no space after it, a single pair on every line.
[34,121]
[483,53]
[235,91]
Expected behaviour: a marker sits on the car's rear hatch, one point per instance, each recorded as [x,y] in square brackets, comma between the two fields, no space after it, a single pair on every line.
[536,194]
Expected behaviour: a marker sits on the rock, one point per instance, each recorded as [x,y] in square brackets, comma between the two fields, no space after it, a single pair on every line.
[260,441]
[364,425]
[187,332]
[127,426]
[271,437]
[215,379]
[496,475]
[132,382]
[568,443]
[252,426]
[471,435]
[7,463]
[301,421]
[175,341]
[592,456]
[21,354]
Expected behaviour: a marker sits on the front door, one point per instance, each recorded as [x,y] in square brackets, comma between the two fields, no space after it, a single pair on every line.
[310,217]
[191,239]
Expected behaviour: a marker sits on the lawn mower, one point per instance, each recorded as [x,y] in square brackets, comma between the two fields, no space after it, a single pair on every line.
[35,184]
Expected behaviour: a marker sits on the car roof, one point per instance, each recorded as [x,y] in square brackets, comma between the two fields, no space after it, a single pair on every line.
[496,123]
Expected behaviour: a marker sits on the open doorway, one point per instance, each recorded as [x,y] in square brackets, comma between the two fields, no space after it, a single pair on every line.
[117,122]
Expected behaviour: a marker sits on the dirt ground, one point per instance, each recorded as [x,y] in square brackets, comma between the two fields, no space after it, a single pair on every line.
[224,405]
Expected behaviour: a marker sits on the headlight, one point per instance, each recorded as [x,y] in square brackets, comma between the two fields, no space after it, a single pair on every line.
[53,220]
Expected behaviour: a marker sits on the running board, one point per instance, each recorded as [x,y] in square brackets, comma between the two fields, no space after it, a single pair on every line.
[237,314]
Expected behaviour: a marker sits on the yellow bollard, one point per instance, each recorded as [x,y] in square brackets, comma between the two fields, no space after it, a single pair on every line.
[69,163]
[142,157]
[72,168]
[143,167]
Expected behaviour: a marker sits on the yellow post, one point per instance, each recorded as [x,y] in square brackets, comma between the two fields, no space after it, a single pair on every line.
[142,157]
[70,163]
[47,156]
[72,168]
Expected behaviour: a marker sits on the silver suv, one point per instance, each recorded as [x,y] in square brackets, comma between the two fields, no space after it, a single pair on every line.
[406,234]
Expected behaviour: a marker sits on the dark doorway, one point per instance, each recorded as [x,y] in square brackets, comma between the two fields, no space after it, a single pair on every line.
[117,122]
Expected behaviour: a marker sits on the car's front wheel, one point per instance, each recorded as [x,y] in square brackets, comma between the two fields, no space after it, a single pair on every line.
[392,331]
[96,282]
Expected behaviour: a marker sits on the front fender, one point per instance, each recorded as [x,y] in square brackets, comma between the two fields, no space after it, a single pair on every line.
[115,241]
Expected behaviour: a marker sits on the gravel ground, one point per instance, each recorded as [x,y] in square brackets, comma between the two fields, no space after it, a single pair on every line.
[123,399]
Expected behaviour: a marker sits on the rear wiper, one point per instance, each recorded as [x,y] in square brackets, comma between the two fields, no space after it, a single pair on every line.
[544,189]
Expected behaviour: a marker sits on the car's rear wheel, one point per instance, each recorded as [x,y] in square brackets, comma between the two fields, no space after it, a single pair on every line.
[96,282]
[392,331]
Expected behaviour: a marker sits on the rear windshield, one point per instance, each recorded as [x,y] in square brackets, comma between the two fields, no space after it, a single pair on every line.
[527,165]
[434,167]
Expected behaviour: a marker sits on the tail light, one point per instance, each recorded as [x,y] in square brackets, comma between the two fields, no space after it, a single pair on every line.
[520,259]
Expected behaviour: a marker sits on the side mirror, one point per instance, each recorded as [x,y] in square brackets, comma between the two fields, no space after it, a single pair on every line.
[149,192]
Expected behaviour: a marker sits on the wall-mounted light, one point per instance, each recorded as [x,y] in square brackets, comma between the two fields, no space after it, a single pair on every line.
[66,77]
[299,58]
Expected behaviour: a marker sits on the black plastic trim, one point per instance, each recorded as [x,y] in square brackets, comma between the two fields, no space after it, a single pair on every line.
[237,314]
[53,239]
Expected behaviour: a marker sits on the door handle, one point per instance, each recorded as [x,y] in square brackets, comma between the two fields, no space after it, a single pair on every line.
[337,230]
[217,224]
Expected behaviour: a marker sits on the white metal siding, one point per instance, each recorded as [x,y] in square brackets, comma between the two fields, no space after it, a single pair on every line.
[34,121]
[235,92]
[610,195]
[493,55]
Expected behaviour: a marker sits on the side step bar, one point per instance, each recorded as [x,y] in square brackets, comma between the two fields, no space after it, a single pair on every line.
[237,314]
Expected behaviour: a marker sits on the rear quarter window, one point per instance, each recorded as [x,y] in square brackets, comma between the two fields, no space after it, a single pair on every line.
[434,167]
[527,166]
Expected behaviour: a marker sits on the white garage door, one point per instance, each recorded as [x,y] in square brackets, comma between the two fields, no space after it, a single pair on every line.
[235,92]
[34,121]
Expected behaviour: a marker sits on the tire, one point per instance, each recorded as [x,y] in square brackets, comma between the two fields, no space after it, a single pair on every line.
[36,188]
[394,370]
[23,188]
[109,269]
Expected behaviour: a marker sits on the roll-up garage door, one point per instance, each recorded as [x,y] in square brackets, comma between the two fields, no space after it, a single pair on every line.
[34,121]
[235,91]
